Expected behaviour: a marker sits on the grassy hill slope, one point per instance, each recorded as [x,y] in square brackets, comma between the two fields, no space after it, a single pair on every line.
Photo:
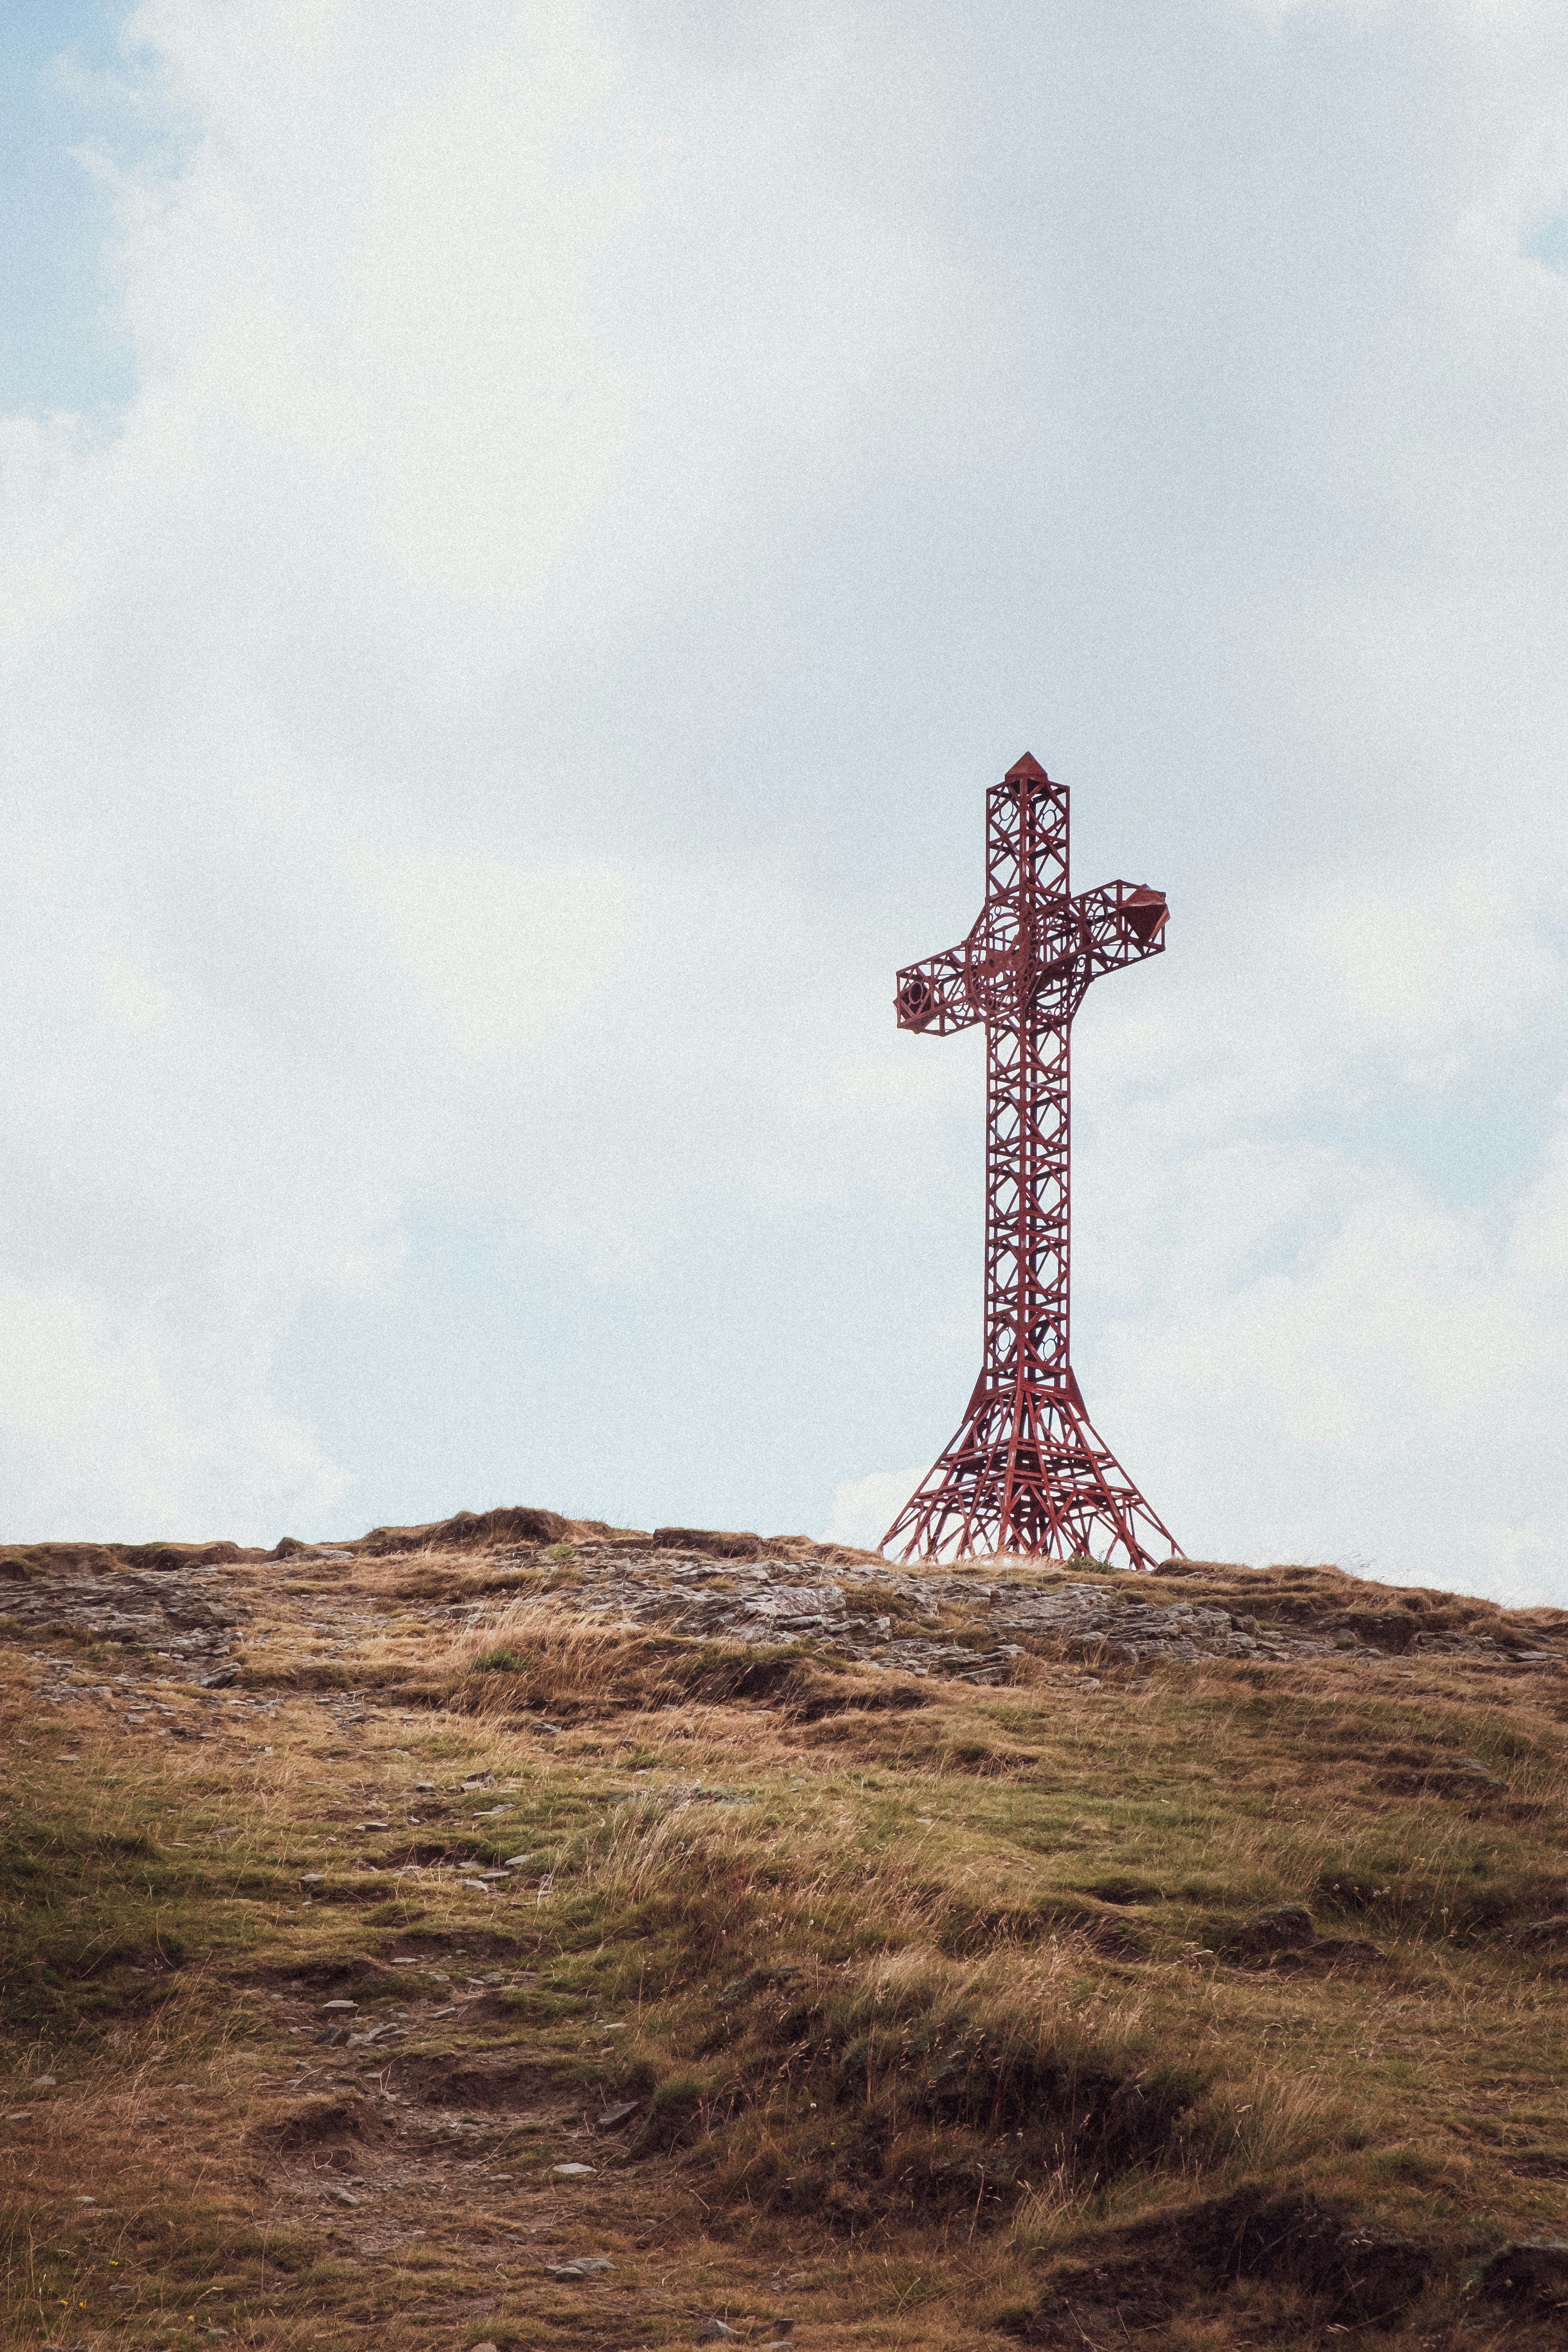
[427,1942]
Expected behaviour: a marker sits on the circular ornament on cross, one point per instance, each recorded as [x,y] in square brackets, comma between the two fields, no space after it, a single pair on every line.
[917,1002]
[1008,954]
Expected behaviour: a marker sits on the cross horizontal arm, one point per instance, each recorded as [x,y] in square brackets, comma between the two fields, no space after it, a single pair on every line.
[1121,923]
[935,995]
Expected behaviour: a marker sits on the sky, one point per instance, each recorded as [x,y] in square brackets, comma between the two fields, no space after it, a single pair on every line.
[525,534]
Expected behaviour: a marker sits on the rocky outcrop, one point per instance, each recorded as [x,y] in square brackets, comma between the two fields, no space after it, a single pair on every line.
[968,1625]
[173,1614]
[970,1621]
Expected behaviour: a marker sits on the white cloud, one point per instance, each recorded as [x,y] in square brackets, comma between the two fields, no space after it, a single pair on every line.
[865,1508]
[1391,1394]
[1346,1360]
[430,321]
[87,1411]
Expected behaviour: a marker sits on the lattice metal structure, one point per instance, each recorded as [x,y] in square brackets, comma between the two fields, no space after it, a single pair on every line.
[1026,1472]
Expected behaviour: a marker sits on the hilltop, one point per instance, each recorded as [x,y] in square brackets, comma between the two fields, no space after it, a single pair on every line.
[524,1931]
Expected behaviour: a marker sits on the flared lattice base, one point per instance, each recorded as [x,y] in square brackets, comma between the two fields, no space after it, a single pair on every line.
[1028,1473]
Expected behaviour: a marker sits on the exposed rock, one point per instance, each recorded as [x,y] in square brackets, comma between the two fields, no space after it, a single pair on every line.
[167,1611]
[971,1622]
[960,1625]
[1535,2272]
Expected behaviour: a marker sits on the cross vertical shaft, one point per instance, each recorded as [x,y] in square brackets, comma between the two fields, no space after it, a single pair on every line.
[1028,1472]
[1027,1095]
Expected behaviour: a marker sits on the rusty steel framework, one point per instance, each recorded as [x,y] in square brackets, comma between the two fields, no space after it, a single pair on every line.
[1026,1472]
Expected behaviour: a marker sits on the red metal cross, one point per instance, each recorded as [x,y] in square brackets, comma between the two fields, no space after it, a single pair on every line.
[1026,1472]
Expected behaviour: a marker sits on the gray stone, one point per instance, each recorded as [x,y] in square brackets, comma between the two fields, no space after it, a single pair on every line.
[1532,2273]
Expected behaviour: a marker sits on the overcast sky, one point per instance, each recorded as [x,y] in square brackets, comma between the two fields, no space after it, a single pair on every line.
[527,533]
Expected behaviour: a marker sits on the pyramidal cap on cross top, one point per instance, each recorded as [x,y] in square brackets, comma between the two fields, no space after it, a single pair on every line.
[1026,1472]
